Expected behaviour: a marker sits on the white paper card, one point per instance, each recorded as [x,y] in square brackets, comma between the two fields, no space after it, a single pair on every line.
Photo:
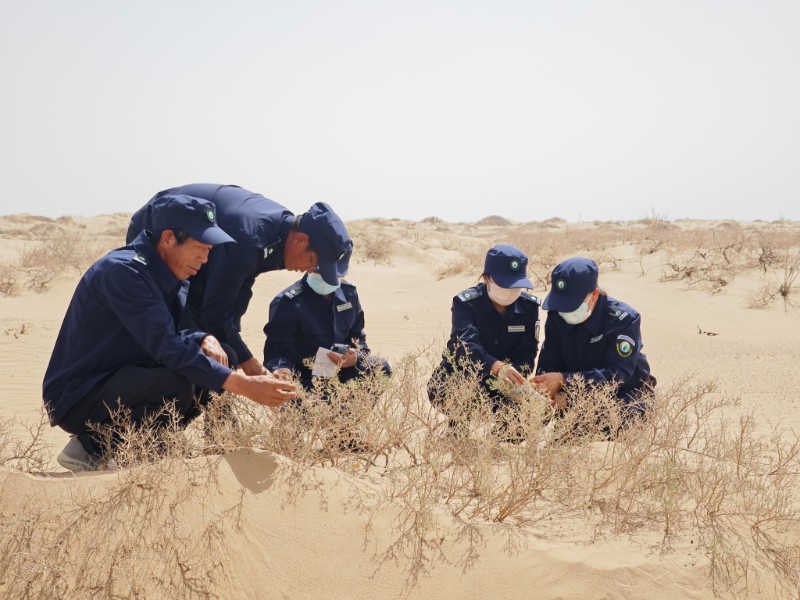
[323,366]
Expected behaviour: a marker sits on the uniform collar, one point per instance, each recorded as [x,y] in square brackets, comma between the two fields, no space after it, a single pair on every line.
[143,246]
[339,297]
[595,321]
[273,253]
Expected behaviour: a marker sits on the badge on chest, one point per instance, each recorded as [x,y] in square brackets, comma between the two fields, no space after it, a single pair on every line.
[345,306]
[516,329]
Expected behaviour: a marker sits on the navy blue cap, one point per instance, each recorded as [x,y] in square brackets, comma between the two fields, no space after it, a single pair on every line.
[197,217]
[328,237]
[572,280]
[343,264]
[507,265]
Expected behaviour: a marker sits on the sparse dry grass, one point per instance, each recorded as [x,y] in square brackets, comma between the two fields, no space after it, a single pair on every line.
[690,468]
[697,467]
[51,250]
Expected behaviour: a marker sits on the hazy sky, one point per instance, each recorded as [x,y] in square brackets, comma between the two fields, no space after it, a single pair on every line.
[581,110]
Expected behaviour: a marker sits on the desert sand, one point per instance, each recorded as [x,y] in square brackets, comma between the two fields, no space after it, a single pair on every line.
[274,531]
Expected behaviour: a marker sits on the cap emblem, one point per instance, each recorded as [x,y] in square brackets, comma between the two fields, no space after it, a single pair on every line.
[561,284]
[210,214]
[514,264]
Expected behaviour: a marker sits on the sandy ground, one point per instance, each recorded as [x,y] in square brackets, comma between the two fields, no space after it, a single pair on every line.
[314,549]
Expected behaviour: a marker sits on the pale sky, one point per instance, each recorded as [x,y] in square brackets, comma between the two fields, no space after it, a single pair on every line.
[530,110]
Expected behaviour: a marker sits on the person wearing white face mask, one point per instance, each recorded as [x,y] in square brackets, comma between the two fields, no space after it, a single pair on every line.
[312,314]
[591,335]
[495,324]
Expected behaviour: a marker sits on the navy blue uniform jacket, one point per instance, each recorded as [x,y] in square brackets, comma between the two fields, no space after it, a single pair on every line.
[487,336]
[220,293]
[300,321]
[125,311]
[605,347]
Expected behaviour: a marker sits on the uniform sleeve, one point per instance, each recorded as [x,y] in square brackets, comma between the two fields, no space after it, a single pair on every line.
[623,347]
[550,357]
[622,354]
[282,331]
[357,334]
[465,336]
[144,314]
[228,289]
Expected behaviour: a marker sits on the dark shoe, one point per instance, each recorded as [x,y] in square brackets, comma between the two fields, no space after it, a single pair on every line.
[74,457]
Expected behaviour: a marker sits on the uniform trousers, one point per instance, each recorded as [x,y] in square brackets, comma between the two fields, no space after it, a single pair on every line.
[144,392]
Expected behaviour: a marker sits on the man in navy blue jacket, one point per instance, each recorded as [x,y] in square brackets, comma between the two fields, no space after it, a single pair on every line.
[592,336]
[311,314]
[269,237]
[121,344]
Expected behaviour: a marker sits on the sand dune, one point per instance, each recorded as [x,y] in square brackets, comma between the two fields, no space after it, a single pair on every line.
[250,523]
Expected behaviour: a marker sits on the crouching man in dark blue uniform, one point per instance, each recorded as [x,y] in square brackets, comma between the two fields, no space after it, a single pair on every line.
[120,345]
[591,336]
[312,314]
[269,237]
[495,327]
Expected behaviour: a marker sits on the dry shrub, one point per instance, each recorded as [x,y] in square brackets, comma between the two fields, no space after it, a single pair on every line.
[375,248]
[9,280]
[695,466]
[58,251]
[688,467]
[358,425]
[435,221]
[453,268]
[25,453]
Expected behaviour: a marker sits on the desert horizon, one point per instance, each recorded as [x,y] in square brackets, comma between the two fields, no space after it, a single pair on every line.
[262,515]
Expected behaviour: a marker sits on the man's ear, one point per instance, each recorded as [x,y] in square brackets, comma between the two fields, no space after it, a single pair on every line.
[167,237]
[595,296]
[297,238]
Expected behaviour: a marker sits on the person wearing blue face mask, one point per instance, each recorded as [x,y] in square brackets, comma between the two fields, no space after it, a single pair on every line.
[312,314]
[593,336]
[495,326]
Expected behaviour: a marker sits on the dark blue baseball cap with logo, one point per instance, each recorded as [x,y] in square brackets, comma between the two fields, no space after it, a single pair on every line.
[197,217]
[329,239]
[508,267]
[572,281]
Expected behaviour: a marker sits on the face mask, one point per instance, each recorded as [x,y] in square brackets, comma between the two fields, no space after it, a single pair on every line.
[318,284]
[579,315]
[503,296]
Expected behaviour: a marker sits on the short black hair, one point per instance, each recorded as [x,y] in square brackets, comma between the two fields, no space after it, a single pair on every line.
[296,227]
[180,235]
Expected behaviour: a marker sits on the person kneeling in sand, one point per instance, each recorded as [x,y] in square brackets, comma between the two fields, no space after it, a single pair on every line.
[592,338]
[310,315]
[120,346]
[495,327]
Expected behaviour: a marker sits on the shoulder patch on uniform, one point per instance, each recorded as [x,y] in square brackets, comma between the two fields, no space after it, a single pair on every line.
[625,346]
[469,294]
[141,258]
[531,297]
[294,291]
